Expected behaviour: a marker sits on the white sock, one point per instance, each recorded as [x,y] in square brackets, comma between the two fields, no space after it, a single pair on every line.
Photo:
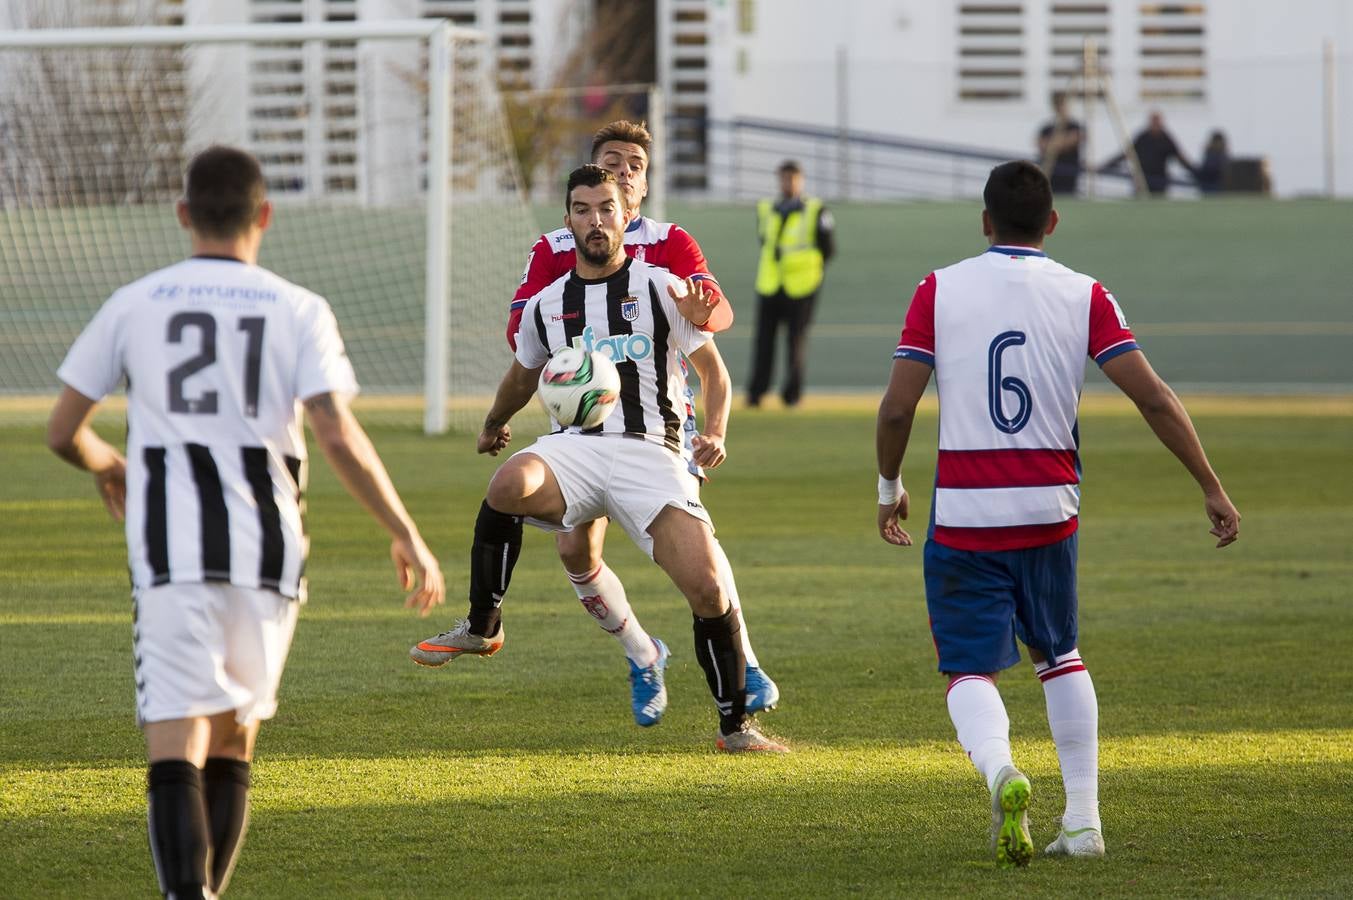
[1073,717]
[730,587]
[979,716]
[603,596]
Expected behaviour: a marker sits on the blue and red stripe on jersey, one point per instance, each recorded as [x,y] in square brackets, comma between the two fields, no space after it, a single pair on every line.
[918,333]
[1109,332]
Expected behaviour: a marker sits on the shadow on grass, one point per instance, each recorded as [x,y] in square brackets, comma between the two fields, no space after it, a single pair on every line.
[671,826]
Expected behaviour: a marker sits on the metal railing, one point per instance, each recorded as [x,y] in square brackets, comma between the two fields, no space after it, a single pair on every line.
[743,155]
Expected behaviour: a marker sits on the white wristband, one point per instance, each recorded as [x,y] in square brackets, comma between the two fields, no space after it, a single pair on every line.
[890,490]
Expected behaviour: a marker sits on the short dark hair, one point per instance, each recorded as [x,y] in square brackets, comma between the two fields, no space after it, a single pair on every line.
[623,130]
[790,165]
[224,191]
[1018,198]
[589,176]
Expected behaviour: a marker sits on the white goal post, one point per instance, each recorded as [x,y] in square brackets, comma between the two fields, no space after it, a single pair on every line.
[387,156]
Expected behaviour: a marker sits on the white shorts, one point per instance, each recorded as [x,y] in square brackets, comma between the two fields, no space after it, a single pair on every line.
[203,649]
[627,479]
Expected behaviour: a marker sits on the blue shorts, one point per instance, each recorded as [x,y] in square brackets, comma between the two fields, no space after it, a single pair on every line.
[980,602]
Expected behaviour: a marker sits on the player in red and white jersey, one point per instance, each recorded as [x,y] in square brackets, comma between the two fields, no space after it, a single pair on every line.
[220,356]
[1006,334]
[622,148]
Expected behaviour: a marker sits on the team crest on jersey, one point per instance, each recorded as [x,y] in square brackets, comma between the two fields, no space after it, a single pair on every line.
[629,309]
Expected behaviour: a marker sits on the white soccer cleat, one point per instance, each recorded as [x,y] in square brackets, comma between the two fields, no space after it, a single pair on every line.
[440,650]
[749,739]
[1085,843]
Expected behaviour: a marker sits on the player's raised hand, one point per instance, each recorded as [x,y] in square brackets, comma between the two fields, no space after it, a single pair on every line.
[493,440]
[890,529]
[709,450]
[1224,516]
[418,571]
[694,303]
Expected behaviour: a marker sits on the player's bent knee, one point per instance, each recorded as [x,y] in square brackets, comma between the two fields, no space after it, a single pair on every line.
[516,485]
[705,598]
[580,549]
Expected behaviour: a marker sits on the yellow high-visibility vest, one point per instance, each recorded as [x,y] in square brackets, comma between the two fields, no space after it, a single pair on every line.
[800,266]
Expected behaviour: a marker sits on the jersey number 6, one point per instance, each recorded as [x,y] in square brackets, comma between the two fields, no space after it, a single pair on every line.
[205,324]
[996,384]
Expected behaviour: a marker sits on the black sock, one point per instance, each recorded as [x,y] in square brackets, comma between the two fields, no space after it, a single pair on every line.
[497,544]
[227,792]
[177,824]
[718,646]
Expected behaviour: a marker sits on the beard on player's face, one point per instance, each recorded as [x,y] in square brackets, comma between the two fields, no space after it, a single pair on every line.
[596,246]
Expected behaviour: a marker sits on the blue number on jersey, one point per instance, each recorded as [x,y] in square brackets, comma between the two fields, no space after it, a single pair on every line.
[996,384]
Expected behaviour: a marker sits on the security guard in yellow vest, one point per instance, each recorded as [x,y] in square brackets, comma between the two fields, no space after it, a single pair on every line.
[796,243]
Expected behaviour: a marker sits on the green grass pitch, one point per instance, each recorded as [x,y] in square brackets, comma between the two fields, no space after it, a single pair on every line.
[1223,678]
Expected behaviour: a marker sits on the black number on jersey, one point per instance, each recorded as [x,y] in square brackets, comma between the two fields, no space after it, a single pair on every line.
[253,362]
[205,323]
[206,355]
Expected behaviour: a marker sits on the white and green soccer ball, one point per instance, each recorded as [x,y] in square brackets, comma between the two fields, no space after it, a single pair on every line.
[579,387]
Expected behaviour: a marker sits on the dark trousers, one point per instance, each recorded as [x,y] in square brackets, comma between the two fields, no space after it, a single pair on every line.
[796,315]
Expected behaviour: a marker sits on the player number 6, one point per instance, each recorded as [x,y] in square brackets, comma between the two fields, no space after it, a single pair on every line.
[996,384]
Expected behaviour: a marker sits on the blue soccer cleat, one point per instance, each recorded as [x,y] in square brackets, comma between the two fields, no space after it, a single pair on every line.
[762,694]
[648,694]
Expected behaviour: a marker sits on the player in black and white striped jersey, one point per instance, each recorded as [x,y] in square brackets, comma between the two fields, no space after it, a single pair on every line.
[627,309]
[624,315]
[220,356]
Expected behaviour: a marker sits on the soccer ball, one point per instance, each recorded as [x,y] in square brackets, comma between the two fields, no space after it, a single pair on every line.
[579,387]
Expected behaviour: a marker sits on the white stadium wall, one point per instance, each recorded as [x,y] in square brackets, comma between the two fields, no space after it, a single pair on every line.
[979,73]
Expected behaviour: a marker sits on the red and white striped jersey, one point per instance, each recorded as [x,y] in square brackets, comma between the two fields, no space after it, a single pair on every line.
[1007,333]
[657,243]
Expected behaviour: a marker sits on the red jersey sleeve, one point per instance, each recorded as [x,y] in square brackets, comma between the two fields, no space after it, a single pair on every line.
[918,332]
[542,270]
[1109,332]
[683,257]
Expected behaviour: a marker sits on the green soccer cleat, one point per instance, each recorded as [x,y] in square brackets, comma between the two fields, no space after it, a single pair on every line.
[1010,819]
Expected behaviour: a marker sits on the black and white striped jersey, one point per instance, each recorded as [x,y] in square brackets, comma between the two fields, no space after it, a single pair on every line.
[630,317]
[217,355]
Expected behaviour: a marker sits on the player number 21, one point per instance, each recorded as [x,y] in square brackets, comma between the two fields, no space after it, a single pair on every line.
[996,384]
[205,326]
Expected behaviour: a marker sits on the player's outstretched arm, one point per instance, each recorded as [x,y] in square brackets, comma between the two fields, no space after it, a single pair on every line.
[897,411]
[695,301]
[717,394]
[684,259]
[349,451]
[1167,417]
[514,391]
[70,437]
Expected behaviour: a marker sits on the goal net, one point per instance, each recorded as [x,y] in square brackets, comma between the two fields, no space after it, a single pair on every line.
[386,154]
